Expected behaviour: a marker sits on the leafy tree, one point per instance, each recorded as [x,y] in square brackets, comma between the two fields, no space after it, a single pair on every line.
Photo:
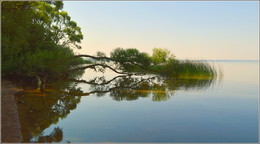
[56,61]
[161,55]
[37,37]
[130,58]
[16,17]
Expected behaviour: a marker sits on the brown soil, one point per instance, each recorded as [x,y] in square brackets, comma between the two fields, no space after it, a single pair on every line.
[10,125]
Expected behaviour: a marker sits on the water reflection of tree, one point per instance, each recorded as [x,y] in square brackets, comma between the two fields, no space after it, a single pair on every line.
[55,136]
[128,87]
[37,111]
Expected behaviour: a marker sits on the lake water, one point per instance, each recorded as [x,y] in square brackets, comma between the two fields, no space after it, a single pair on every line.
[154,110]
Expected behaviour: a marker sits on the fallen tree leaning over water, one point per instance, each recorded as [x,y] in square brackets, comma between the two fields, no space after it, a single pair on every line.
[161,62]
[38,38]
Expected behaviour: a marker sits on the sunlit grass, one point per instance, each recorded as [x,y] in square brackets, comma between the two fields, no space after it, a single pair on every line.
[190,69]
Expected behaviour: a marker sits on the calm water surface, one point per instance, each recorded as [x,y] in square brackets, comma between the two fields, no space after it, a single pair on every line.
[141,110]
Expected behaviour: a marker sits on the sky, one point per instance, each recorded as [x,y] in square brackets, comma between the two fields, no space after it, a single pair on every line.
[212,30]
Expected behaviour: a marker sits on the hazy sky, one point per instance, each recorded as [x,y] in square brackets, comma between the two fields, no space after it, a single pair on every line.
[194,30]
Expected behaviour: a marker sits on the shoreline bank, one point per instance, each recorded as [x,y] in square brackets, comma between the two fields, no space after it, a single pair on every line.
[10,124]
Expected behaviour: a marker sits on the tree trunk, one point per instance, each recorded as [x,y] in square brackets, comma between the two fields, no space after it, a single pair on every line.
[41,81]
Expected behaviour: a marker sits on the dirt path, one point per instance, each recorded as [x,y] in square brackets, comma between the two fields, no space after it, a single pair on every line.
[10,125]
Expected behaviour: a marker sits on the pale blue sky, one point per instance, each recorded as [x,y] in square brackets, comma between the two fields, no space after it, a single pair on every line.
[194,30]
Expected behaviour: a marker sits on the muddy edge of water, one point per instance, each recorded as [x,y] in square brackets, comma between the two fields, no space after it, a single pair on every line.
[10,124]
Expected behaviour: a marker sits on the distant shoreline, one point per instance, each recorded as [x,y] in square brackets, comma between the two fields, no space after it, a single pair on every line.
[226,60]
[208,60]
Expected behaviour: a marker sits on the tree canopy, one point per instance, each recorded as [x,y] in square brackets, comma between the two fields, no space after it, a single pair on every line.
[37,38]
[161,55]
[132,56]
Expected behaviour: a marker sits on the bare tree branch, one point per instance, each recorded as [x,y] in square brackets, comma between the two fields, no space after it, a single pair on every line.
[93,66]
[110,59]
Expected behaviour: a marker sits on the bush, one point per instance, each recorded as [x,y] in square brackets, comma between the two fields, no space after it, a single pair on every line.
[59,60]
[161,56]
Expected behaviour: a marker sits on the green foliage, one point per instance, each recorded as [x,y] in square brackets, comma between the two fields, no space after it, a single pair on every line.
[14,36]
[37,37]
[164,63]
[130,56]
[161,55]
[45,61]
[101,54]
[185,69]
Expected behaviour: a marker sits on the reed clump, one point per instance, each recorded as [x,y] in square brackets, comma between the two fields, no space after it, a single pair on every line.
[186,69]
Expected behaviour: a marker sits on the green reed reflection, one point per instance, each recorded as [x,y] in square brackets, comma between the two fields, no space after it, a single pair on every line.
[128,87]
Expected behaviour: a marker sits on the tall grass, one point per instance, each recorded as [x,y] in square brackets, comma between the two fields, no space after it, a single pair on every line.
[186,69]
